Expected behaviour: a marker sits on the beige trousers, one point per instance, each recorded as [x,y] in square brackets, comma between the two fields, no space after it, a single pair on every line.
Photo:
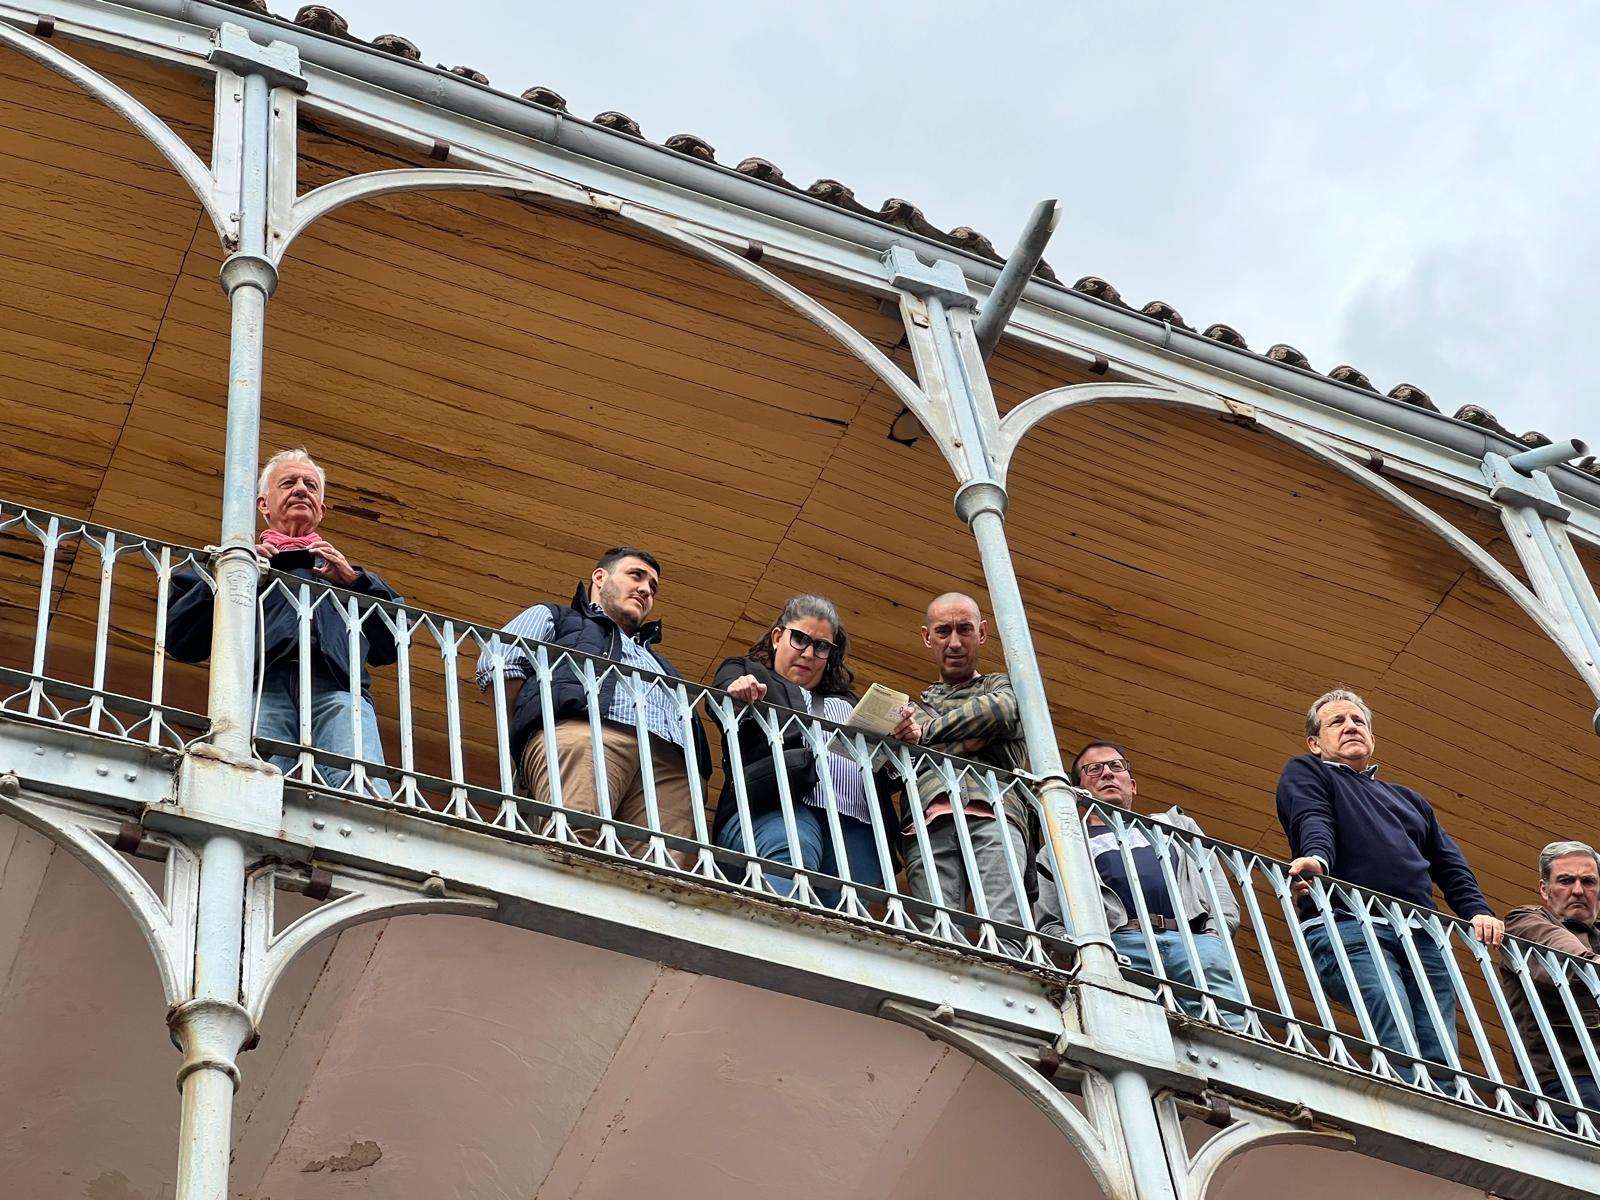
[624,779]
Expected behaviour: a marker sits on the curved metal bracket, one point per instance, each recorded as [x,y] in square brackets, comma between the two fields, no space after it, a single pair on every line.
[167,921]
[1108,1166]
[268,955]
[1014,426]
[325,199]
[184,160]
[319,202]
[1193,1174]
[1030,412]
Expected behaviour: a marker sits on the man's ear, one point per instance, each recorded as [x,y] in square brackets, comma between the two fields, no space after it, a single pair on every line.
[983,632]
[927,638]
[261,505]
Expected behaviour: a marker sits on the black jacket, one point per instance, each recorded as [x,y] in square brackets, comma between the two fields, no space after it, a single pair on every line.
[582,627]
[193,603]
[756,751]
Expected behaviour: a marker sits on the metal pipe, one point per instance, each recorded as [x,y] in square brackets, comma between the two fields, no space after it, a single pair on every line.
[1147,1154]
[1015,274]
[1530,461]
[453,94]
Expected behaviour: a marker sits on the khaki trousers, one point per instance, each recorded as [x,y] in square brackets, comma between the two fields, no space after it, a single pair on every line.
[624,780]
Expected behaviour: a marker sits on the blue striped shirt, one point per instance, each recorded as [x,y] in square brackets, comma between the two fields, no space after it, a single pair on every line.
[535,624]
[846,775]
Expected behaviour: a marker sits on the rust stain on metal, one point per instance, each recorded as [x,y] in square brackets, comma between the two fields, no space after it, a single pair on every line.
[361,1156]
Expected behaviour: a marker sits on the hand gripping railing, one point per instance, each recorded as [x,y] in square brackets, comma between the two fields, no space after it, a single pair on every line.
[1355,978]
[82,629]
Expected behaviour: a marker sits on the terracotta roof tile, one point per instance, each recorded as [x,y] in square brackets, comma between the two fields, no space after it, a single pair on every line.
[620,122]
[1288,354]
[1227,335]
[322,20]
[393,43]
[546,98]
[760,168]
[694,147]
[1408,393]
[1353,377]
[1160,310]
[899,213]
[1093,285]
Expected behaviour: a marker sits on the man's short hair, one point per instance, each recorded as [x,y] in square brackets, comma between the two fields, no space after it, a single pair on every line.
[1314,713]
[298,454]
[617,553]
[1557,850]
[1122,752]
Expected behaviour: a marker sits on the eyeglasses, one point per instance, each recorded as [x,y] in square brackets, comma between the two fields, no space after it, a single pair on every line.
[821,647]
[1096,769]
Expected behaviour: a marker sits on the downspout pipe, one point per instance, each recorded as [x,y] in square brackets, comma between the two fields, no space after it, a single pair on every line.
[454,94]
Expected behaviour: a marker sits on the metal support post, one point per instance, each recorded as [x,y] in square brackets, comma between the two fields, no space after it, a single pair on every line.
[1141,1135]
[213,1027]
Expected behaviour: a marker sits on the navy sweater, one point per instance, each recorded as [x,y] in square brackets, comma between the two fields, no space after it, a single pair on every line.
[1376,835]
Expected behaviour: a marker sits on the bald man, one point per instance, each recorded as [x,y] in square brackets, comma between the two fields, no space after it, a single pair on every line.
[974,716]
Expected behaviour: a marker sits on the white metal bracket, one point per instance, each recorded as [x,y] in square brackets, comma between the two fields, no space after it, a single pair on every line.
[1242,1129]
[1507,485]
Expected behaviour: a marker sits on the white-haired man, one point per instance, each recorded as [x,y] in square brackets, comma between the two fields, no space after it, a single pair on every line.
[1342,821]
[291,496]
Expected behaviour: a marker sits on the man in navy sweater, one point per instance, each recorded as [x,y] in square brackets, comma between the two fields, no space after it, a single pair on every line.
[1342,821]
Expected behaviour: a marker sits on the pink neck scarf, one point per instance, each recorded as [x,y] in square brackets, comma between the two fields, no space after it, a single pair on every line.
[284,541]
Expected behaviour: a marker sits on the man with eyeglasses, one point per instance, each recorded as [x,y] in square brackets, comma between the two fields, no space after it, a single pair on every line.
[1342,820]
[1569,885]
[605,620]
[1203,902]
[974,716]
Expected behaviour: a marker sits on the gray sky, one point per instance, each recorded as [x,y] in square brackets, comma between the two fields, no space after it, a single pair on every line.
[1408,188]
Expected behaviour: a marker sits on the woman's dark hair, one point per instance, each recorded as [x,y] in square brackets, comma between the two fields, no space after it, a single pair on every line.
[837,677]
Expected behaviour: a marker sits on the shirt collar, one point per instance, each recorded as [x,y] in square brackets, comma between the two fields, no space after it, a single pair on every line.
[1370,770]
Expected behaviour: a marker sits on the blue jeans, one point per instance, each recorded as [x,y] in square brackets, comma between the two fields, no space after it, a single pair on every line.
[1588,1095]
[1393,963]
[278,718]
[1208,948]
[816,847]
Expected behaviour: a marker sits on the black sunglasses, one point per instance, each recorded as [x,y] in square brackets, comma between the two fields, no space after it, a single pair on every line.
[821,647]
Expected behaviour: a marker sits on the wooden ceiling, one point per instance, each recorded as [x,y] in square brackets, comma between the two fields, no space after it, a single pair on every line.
[499,390]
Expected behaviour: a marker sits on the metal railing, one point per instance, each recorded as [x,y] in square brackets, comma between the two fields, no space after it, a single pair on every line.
[1531,1015]
[83,612]
[86,610]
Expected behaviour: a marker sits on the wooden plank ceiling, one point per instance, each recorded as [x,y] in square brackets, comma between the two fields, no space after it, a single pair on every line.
[500,389]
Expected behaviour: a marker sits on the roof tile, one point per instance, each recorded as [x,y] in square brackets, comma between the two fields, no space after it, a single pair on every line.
[694,147]
[760,168]
[1285,353]
[393,43]
[1227,335]
[546,98]
[322,20]
[1410,393]
[1160,310]
[1093,285]
[1353,377]
[831,191]
[620,122]
[470,73]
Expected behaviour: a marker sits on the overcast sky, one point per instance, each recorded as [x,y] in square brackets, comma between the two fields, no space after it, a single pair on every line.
[1409,188]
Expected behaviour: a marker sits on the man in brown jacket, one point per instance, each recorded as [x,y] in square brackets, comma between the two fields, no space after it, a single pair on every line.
[1569,884]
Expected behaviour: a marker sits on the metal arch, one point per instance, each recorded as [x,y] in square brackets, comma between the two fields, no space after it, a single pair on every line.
[321,201]
[184,160]
[1036,408]
[1109,1168]
[325,199]
[1014,426]
[268,955]
[1195,1173]
[167,922]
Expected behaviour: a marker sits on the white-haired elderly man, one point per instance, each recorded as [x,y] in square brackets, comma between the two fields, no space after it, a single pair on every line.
[1569,886]
[1343,821]
[291,496]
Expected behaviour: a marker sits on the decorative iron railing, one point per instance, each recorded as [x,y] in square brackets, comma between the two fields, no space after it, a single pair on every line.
[86,611]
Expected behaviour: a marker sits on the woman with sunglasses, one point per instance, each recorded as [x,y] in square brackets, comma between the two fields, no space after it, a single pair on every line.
[799,664]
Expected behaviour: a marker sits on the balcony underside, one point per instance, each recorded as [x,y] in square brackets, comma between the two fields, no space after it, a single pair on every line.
[445,1056]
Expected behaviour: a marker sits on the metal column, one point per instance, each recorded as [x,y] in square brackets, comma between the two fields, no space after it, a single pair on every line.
[1125,1022]
[214,1026]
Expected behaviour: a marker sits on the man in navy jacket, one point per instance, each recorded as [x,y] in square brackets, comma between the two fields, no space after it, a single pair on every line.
[291,497]
[1341,820]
